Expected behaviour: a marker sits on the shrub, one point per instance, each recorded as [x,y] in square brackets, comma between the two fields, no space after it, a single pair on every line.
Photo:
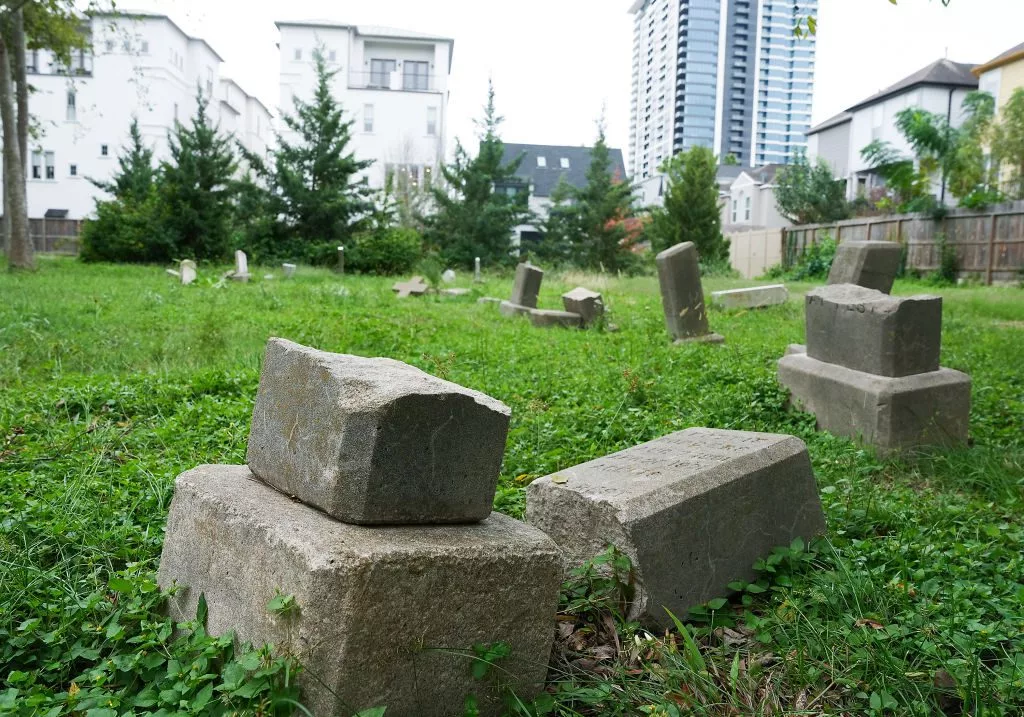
[126,231]
[814,263]
[949,264]
[389,251]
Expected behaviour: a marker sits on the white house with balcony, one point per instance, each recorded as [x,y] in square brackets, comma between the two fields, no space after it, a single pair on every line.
[392,83]
[141,65]
[939,88]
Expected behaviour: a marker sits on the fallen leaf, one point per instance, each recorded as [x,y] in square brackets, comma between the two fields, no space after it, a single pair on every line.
[866,622]
[559,479]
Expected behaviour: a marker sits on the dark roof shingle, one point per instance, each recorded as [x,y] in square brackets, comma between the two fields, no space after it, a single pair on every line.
[944,73]
[544,179]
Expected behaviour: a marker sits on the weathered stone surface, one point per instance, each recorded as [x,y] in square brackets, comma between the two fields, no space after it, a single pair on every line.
[795,349]
[584,302]
[507,308]
[711,338]
[755,297]
[866,330]
[681,294]
[373,440]
[693,510]
[476,270]
[241,272]
[385,615]
[187,271]
[490,300]
[289,270]
[454,292]
[527,285]
[448,276]
[549,317]
[871,264]
[414,287]
[892,414]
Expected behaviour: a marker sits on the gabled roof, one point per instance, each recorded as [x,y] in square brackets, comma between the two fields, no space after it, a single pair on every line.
[1014,53]
[834,121]
[760,175]
[545,179]
[941,73]
[144,15]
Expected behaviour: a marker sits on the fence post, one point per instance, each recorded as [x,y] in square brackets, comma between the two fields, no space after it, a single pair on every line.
[839,233]
[870,224]
[991,249]
[899,231]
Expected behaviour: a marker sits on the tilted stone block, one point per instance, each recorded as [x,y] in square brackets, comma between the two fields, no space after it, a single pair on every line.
[507,308]
[550,317]
[584,302]
[891,414]
[866,330]
[871,264]
[385,616]
[374,440]
[527,285]
[682,297]
[693,510]
[753,298]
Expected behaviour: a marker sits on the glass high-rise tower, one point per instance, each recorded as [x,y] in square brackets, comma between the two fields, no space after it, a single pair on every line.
[725,74]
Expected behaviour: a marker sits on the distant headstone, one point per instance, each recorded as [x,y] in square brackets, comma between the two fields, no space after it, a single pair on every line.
[188,272]
[448,276]
[869,331]
[693,510]
[289,270]
[340,267]
[547,317]
[586,303]
[476,270]
[682,296]
[241,272]
[373,441]
[753,298]
[414,287]
[454,292]
[527,285]
[871,264]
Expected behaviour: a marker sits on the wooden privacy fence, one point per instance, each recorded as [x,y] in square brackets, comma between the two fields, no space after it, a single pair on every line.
[988,245]
[55,236]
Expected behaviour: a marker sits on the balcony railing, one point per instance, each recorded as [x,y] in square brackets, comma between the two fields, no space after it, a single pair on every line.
[392,81]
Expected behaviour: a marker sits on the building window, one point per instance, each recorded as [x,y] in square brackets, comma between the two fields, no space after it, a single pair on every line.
[542,161]
[565,162]
[415,75]
[73,170]
[735,206]
[32,63]
[380,73]
[175,111]
[109,44]
[367,118]
[209,81]
[332,55]
[37,165]
[298,54]
[144,47]
[51,169]
[746,208]
[432,121]
[126,45]
[72,112]
[104,150]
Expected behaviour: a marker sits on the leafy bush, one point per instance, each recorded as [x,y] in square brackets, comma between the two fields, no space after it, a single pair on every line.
[390,251]
[814,263]
[949,264]
[126,231]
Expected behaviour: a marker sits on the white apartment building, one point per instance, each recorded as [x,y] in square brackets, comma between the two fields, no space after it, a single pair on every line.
[141,65]
[393,83]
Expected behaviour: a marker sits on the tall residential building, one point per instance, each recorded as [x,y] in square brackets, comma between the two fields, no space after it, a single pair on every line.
[141,65]
[392,83]
[725,74]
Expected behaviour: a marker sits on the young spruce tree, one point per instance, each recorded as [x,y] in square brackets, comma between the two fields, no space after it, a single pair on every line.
[690,212]
[602,205]
[475,214]
[195,187]
[135,176]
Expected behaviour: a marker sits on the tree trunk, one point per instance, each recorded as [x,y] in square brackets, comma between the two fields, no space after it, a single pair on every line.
[18,48]
[20,254]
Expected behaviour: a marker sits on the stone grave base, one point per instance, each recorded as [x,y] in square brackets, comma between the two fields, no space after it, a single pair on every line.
[891,414]
[694,510]
[384,615]
[551,317]
[711,338]
[244,278]
[507,308]
[753,298]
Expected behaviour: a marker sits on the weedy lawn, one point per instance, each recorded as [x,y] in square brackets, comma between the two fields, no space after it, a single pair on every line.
[115,379]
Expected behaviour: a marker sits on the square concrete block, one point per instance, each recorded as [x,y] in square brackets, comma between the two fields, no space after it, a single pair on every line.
[871,264]
[584,302]
[549,317]
[891,414]
[373,440]
[527,285]
[694,510]
[755,297]
[385,615]
[869,331]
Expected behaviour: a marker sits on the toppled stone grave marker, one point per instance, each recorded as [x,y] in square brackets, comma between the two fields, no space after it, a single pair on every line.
[588,304]
[871,264]
[188,272]
[756,297]
[693,510]
[414,287]
[544,318]
[524,290]
[682,297]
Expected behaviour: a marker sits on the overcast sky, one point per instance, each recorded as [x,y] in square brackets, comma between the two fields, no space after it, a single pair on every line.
[556,63]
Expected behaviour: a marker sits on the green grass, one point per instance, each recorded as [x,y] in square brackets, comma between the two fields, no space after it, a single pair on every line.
[115,379]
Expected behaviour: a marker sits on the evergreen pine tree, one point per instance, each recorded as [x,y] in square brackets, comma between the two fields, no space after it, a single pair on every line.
[480,201]
[195,187]
[690,212]
[136,173]
[602,205]
[315,178]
